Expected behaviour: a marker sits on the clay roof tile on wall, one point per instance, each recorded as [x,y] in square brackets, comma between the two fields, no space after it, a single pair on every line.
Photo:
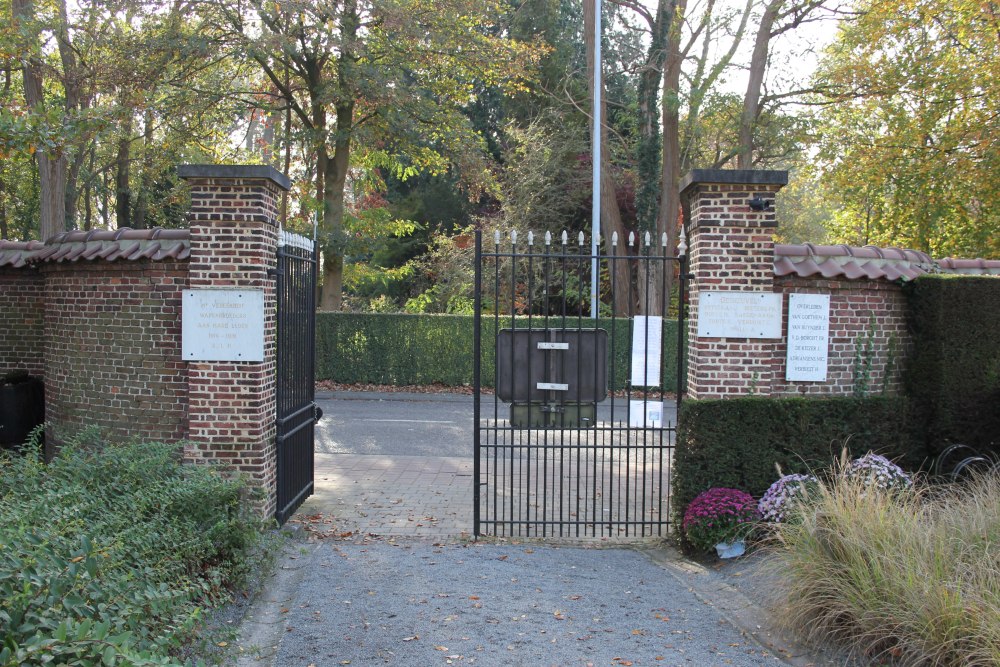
[110,245]
[990,267]
[868,262]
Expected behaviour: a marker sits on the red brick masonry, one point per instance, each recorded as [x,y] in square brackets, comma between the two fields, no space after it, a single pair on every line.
[731,248]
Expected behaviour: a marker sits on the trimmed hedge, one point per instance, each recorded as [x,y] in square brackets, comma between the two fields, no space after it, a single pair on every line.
[737,442]
[953,373]
[397,349]
[405,349]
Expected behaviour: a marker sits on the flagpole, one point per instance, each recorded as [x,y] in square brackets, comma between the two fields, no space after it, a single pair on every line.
[595,213]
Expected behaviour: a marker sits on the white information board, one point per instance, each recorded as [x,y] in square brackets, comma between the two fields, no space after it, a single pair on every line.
[808,337]
[739,315]
[222,325]
[647,343]
[645,414]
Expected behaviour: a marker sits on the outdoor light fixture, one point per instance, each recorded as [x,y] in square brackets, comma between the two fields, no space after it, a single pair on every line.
[758,203]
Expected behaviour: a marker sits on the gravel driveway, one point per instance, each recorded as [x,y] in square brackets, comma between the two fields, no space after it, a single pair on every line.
[413,602]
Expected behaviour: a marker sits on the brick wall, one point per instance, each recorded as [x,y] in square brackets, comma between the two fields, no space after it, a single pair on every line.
[855,306]
[99,314]
[731,249]
[112,350]
[22,314]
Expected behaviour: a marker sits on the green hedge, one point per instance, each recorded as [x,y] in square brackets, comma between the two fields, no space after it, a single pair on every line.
[737,442]
[953,374]
[404,349]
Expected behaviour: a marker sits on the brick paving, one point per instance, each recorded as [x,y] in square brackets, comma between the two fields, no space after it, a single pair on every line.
[374,477]
[416,496]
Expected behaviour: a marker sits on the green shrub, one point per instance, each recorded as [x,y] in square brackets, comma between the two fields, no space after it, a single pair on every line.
[898,573]
[953,373]
[111,552]
[405,349]
[738,442]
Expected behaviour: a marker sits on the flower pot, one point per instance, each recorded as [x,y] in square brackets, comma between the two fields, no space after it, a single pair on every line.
[731,549]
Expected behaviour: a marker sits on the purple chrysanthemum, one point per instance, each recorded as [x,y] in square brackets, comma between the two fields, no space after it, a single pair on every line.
[718,515]
[774,505]
[876,470]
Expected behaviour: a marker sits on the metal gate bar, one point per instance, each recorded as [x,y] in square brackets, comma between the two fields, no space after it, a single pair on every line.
[535,473]
[296,407]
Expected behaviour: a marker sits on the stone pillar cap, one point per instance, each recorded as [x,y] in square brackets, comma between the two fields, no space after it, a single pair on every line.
[261,171]
[733,177]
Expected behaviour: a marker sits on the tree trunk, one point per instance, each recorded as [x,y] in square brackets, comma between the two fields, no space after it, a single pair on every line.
[72,83]
[4,232]
[331,178]
[52,195]
[105,205]
[140,218]
[652,283]
[333,170]
[72,194]
[751,100]
[666,222]
[611,217]
[268,152]
[648,155]
[123,193]
[88,205]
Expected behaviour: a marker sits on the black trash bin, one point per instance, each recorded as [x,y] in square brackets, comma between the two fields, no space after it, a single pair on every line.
[22,407]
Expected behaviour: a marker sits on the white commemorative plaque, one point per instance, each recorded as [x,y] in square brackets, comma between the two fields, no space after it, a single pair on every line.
[222,325]
[739,315]
[808,337]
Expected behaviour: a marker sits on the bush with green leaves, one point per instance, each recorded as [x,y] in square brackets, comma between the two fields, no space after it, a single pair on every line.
[112,552]
[405,349]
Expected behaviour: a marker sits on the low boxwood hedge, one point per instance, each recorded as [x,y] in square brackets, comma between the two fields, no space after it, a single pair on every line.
[738,442]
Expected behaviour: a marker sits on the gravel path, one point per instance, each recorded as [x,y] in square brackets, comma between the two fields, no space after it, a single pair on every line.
[411,602]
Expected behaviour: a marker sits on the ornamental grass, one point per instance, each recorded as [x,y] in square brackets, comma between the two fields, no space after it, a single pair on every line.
[908,574]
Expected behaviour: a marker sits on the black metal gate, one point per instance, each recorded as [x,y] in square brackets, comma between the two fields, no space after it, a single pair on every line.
[577,440]
[296,408]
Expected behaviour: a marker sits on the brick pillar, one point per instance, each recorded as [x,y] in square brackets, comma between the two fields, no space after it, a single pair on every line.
[234,236]
[731,248]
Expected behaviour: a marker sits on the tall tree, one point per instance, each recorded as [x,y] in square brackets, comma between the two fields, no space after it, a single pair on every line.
[98,80]
[912,130]
[378,84]
[52,157]
[779,17]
